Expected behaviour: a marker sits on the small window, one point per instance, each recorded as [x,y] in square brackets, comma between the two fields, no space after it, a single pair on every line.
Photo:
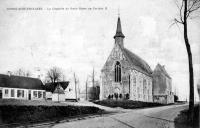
[19,93]
[39,94]
[44,95]
[6,92]
[12,93]
[35,94]
[22,93]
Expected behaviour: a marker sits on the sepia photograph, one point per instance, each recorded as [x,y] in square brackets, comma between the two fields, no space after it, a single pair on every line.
[100,63]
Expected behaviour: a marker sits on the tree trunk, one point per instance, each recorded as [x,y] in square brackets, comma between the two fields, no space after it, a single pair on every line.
[191,79]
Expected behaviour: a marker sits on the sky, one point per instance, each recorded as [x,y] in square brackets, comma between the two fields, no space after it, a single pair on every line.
[77,39]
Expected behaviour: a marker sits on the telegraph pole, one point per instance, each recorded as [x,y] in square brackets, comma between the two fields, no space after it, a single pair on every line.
[75,82]
[86,87]
[94,92]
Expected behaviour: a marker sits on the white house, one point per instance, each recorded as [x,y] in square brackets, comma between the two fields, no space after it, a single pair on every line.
[56,91]
[19,87]
[58,94]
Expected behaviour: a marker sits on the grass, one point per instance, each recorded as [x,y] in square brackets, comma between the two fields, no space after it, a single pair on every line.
[127,104]
[183,117]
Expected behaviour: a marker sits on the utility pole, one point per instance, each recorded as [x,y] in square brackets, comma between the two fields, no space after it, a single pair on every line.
[86,87]
[58,88]
[75,82]
[94,92]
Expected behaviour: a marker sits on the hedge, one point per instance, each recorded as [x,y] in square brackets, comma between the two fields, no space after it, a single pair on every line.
[23,114]
[126,104]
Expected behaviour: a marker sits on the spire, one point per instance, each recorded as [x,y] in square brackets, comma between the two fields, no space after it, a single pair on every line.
[119,29]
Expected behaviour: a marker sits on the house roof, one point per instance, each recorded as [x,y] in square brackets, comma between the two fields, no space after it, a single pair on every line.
[137,62]
[20,82]
[52,86]
[59,90]
[162,69]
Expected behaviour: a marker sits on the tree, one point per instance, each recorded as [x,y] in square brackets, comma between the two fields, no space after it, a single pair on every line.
[175,98]
[22,72]
[186,10]
[54,75]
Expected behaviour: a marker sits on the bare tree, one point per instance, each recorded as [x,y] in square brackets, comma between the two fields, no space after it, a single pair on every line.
[186,11]
[54,75]
[22,72]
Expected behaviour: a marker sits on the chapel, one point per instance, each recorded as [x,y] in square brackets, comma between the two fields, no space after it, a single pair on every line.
[125,75]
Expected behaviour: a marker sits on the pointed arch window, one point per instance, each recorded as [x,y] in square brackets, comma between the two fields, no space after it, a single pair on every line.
[144,85]
[117,72]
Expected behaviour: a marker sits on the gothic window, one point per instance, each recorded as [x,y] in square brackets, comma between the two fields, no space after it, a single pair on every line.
[144,85]
[117,72]
[138,89]
[134,81]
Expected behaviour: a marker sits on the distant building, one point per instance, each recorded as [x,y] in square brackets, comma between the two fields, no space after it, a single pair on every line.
[58,94]
[91,93]
[125,75]
[162,86]
[56,91]
[19,87]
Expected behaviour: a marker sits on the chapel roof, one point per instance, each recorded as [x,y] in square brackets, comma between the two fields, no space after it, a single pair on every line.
[11,81]
[162,69]
[137,62]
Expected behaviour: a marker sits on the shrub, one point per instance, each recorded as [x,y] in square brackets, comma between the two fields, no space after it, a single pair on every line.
[175,98]
[120,95]
[183,117]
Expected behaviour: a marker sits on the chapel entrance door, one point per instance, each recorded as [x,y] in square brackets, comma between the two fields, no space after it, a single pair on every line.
[116,93]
